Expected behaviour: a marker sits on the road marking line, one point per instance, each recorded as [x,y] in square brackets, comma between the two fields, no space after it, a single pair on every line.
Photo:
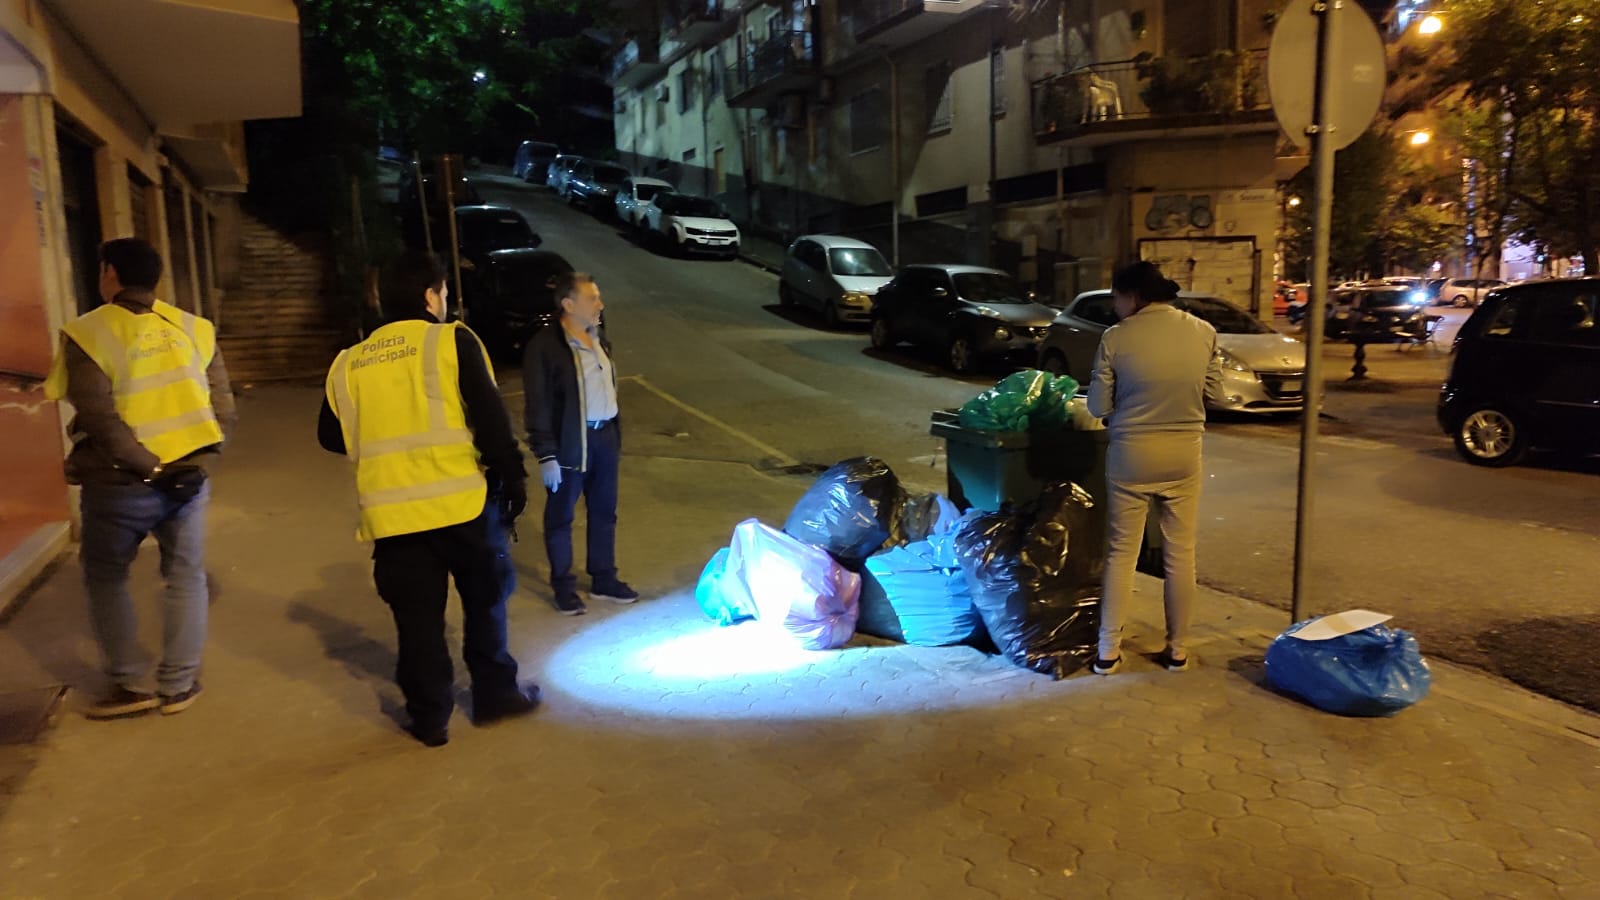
[768,449]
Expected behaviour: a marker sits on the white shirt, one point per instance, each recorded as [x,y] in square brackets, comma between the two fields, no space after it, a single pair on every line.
[1154,370]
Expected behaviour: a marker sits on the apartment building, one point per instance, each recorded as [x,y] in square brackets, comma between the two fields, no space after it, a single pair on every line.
[1053,138]
[116,119]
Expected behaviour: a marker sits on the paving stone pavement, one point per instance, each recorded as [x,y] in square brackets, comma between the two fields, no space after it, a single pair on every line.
[675,759]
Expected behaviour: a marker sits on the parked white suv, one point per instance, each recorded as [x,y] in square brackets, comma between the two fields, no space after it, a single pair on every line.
[691,225]
[1464,292]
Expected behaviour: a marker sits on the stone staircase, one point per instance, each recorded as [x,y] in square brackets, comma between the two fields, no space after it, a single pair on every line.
[282,321]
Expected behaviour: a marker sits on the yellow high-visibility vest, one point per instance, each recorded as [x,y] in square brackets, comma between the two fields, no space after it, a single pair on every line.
[157,365]
[398,398]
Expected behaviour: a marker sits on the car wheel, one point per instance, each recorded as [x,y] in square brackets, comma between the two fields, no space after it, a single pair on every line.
[882,335]
[958,356]
[1490,436]
[830,316]
[1461,301]
[1053,362]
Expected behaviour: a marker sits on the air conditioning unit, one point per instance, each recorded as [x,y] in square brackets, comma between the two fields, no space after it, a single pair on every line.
[620,106]
[663,92]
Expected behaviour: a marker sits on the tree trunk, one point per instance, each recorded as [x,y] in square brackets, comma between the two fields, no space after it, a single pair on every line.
[1591,261]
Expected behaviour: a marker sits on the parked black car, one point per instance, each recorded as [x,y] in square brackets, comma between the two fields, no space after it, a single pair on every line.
[1375,313]
[532,160]
[510,294]
[968,313]
[410,196]
[593,186]
[1526,373]
[485,228]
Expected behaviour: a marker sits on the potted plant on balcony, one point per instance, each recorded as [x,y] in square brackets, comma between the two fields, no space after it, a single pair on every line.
[1197,84]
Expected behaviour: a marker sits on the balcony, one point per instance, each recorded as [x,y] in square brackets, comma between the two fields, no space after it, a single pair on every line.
[690,21]
[637,62]
[1137,99]
[784,64]
[899,23]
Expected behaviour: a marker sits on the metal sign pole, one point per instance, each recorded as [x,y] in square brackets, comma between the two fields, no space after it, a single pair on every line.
[1322,151]
[422,198]
[455,238]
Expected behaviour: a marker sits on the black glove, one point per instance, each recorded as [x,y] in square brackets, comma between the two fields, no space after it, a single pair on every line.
[513,500]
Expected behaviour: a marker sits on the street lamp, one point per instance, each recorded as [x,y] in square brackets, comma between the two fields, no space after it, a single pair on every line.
[1430,24]
[1294,202]
[1419,138]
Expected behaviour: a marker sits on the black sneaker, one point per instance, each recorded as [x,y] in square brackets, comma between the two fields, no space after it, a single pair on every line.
[524,701]
[430,737]
[1106,666]
[1171,663]
[615,591]
[568,603]
[172,704]
[121,702]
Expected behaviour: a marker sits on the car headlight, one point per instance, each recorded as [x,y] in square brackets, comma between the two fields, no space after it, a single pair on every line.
[1417,297]
[856,298]
[1002,333]
[1229,361]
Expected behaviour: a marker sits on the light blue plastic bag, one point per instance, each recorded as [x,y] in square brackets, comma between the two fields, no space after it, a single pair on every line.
[1376,671]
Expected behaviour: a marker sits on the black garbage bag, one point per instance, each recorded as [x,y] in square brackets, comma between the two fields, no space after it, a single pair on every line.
[1035,578]
[848,510]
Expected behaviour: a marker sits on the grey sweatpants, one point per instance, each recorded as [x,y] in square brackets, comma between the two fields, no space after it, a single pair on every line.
[1164,467]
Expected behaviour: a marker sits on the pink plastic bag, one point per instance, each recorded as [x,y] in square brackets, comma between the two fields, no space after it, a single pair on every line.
[793,585]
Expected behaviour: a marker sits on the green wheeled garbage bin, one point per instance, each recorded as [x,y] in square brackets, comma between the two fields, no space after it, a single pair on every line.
[988,469]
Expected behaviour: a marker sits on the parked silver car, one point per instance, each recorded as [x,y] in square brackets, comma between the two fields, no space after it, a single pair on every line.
[560,168]
[1262,370]
[1464,292]
[634,194]
[834,275]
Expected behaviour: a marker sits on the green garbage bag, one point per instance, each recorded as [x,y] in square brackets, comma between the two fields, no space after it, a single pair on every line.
[1022,401]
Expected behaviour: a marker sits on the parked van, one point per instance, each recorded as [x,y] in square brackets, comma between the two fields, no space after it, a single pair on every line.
[1526,373]
[532,162]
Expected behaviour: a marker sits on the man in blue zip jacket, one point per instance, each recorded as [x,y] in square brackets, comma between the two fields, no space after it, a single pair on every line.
[570,388]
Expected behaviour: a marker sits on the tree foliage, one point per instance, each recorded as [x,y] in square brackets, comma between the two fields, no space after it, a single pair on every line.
[1524,81]
[1390,211]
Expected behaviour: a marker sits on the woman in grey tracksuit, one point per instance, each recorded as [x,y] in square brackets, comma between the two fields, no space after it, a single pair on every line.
[1152,375]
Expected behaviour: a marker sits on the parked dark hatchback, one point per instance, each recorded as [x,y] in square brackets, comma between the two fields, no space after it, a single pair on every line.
[967,313]
[510,294]
[1526,373]
[1375,313]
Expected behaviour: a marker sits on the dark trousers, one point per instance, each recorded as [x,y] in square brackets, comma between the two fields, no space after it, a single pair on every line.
[412,572]
[598,486]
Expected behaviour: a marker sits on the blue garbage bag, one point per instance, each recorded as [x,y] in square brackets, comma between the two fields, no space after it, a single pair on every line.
[723,606]
[1376,671]
[927,592]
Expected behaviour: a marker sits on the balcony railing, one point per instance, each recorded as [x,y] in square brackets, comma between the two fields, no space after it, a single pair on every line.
[901,21]
[636,61]
[785,61]
[1150,92]
[684,19]
[866,15]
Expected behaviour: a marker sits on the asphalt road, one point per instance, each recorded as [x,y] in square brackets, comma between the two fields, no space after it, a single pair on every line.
[1493,568]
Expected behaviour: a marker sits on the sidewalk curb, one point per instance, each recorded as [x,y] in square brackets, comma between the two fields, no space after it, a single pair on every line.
[776,269]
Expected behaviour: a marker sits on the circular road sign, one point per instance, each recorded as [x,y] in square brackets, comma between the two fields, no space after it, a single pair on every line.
[1355,64]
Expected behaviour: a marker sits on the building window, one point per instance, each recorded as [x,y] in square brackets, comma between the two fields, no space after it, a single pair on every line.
[997,81]
[714,73]
[1196,27]
[937,92]
[685,86]
[688,155]
[868,121]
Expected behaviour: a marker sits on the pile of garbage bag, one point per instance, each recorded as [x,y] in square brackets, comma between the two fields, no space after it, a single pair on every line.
[1034,575]
[767,575]
[849,510]
[917,594]
[1029,400]
[1372,671]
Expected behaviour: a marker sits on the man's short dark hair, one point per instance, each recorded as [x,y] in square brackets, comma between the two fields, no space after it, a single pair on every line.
[567,285]
[404,289]
[136,263]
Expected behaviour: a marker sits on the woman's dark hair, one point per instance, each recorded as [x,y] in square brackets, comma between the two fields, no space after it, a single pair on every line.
[1144,281]
[404,290]
[136,263]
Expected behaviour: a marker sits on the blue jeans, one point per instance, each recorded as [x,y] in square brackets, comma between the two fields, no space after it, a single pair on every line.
[116,519]
[598,487]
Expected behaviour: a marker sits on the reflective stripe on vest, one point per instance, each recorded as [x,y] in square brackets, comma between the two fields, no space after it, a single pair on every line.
[400,410]
[157,365]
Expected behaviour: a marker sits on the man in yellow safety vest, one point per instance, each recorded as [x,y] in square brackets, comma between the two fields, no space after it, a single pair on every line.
[439,480]
[151,403]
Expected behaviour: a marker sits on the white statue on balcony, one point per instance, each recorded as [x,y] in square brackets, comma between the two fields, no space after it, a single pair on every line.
[1102,100]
